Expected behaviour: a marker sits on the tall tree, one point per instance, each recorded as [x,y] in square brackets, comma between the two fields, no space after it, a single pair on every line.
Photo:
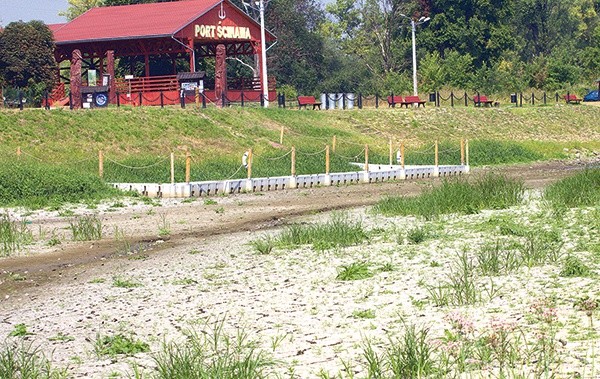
[27,55]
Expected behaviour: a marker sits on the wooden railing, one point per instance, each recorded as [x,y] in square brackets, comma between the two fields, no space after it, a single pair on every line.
[170,83]
[147,84]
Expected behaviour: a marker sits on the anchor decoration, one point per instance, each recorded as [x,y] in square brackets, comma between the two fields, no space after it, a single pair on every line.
[222,14]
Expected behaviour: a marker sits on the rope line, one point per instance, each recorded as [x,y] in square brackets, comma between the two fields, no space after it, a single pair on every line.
[235,173]
[273,159]
[138,168]
[311,154]
[350,158]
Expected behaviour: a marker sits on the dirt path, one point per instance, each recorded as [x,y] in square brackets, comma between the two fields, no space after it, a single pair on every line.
[189,222]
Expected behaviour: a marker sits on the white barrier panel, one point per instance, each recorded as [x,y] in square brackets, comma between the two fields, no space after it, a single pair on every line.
[377,173]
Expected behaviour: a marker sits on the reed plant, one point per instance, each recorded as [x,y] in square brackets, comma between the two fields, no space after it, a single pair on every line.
[86,228]
[490,191]
[21,359]
[13,235]
[579,190]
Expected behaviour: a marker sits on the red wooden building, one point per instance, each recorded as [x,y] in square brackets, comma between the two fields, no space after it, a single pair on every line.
[190,29]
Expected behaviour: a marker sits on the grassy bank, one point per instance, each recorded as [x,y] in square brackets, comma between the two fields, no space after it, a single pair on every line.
[137,142]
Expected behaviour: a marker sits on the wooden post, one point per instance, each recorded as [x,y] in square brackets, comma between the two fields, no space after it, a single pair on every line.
[281,136]
[402,154]
[366,157]
[333,144]
[293,161]
[327,160]
[437,157]
[188,165]
[172,168]
[197,96]
[100,163]
[467,152]
[391,152]
[462,152]
[249,163]
[19,152]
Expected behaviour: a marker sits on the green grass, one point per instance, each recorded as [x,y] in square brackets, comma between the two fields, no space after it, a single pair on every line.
[338,231]
[59,162]
[574,267]
[13,235]
[119,345]
[354,271]
[39,184]
[86,228]
[26,361]
[579,190]
[491,191]
[211,353]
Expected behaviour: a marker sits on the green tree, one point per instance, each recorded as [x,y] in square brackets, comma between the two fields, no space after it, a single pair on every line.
[27,56]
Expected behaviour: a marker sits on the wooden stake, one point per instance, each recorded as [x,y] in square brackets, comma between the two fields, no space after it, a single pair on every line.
[467,152]
[333,144]
[402,154]
[327,160]
[188,165]
[437,157]
[462,152]
[281,136]
[19,152]
[293,161]
[197,96]
[100,163]
[366,157]
[172,168]
[391,152]
[249,163]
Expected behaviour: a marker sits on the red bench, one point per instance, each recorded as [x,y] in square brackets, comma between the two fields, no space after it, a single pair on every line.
[482,99]
[304,101]
[392,101]
[408,100]
[572,99]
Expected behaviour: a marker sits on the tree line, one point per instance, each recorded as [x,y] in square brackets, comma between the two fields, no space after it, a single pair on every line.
[365,45]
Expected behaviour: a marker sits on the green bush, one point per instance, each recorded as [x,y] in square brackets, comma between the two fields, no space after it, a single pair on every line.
[37,185]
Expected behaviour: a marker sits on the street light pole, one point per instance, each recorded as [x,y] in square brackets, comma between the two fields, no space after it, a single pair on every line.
[263,48]
[413,26]
[414,56]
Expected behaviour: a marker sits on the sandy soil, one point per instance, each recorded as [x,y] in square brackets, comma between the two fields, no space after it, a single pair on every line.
[205,267]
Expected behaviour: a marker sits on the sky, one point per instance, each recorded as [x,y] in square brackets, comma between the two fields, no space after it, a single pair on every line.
[27,10]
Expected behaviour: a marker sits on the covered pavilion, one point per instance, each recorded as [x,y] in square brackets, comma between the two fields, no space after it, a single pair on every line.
[190,29]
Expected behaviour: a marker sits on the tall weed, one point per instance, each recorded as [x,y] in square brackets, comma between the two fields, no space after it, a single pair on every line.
[211,353]
[13,235]
[491,191]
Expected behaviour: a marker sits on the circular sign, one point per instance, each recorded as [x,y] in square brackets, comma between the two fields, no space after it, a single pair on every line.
[101,100]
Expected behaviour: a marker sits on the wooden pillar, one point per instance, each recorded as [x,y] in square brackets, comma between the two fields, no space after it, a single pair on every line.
[100,164]
[462,152]
[220,74]
[147,64]
[391,152]
[110,70]
[293,161]
[75,78]
[192,55]
[327,162]
[188,166]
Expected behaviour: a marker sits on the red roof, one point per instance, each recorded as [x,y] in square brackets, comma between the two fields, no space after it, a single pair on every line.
[54,27]
[133,21]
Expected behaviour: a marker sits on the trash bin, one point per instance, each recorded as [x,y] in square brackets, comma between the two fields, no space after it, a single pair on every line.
[331,100]
[340,100]
[513,98]
[432,97]
[323,100]
[350,100]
